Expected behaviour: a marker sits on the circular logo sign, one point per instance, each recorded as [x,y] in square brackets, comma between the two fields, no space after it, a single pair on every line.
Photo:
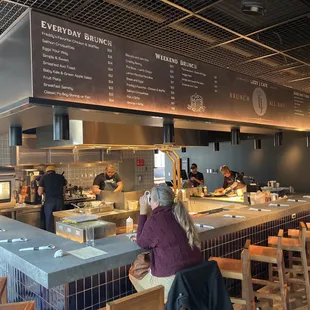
[259,100]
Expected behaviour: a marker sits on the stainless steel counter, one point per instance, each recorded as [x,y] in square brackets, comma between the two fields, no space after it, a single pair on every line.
[26,213]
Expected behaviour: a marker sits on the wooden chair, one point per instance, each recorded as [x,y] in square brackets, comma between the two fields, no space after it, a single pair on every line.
[294,233]
[239,270]
[3,290]
[296,245]
[151,299]
[27,305]
[271,256]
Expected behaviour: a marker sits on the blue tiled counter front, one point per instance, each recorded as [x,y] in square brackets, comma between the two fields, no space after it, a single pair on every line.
[72,283]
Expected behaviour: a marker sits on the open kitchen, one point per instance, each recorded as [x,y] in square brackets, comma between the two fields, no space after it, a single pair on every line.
[232,148]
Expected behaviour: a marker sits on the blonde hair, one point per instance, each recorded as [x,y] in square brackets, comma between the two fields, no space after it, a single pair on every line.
[164,195]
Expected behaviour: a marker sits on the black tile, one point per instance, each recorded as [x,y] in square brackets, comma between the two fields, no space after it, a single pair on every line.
[109,290]
[109,275]
[103,293]
[95,295]
[116,290]
[95,280]
[115,273]
[88,298]
[80,285]
[87,283]
[123,285]
[72,302]
[102,277]
[96,307]
[80,301]
[72,288]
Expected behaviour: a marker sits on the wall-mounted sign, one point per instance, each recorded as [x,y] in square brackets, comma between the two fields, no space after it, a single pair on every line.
[78,64]
[140,162]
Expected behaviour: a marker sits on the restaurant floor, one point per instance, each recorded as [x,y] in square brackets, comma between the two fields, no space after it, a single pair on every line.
[297,301]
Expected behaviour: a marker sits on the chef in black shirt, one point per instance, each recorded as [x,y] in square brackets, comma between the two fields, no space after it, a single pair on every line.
[232,180]
[195,177]
[107,181]
[53,185]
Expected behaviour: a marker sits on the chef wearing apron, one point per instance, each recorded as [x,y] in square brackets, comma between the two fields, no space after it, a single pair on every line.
[233,180]
[107,181]
[53,186]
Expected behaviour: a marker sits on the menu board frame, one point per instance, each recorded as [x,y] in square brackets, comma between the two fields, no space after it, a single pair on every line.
[77,64]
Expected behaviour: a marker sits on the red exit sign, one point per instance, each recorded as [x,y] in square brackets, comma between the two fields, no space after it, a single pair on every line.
[140,162]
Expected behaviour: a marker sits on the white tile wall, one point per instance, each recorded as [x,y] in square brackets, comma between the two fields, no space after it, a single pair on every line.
[5,150]
[84,176]
[147,172]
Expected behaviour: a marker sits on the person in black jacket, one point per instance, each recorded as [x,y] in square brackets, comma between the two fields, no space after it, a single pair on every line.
[53,185]
[199,288]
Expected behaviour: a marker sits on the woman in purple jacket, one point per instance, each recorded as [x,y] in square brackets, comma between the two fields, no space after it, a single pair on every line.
[170,234]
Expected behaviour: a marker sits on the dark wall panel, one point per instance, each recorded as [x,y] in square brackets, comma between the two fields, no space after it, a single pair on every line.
[288,164]
[15,63]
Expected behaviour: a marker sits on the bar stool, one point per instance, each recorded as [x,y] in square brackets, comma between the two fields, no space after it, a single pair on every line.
[28,305]
[3,290]
[151,299]
[294,233]
[296,245]
[239,270]
[271,256]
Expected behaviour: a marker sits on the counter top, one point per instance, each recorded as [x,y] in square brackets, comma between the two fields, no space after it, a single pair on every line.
[224,225]
[48,271]
[236,199]
[16,207]
[115,212]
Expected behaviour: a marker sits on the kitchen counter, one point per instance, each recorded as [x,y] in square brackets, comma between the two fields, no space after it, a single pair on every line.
[115,212]
[17,207]
[116,216]
[48,271]
[43,268]
[236,199]
[72,279]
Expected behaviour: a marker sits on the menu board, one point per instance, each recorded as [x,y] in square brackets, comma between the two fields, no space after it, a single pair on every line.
[77,64]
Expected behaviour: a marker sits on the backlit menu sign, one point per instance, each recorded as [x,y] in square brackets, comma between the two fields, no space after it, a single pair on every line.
[77,64]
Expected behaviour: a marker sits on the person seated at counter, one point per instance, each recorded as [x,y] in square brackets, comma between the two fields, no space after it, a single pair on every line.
[232,180]
[108,181]
[170,234]
[195,177]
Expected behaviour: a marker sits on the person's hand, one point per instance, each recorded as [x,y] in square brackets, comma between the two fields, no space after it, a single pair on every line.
[133,238]
[193,179]
[217,190]
[143,204]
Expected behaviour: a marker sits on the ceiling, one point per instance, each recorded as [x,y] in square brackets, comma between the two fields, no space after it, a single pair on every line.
[274,47]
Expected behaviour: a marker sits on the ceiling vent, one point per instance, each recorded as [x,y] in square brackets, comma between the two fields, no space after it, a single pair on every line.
[257,7]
